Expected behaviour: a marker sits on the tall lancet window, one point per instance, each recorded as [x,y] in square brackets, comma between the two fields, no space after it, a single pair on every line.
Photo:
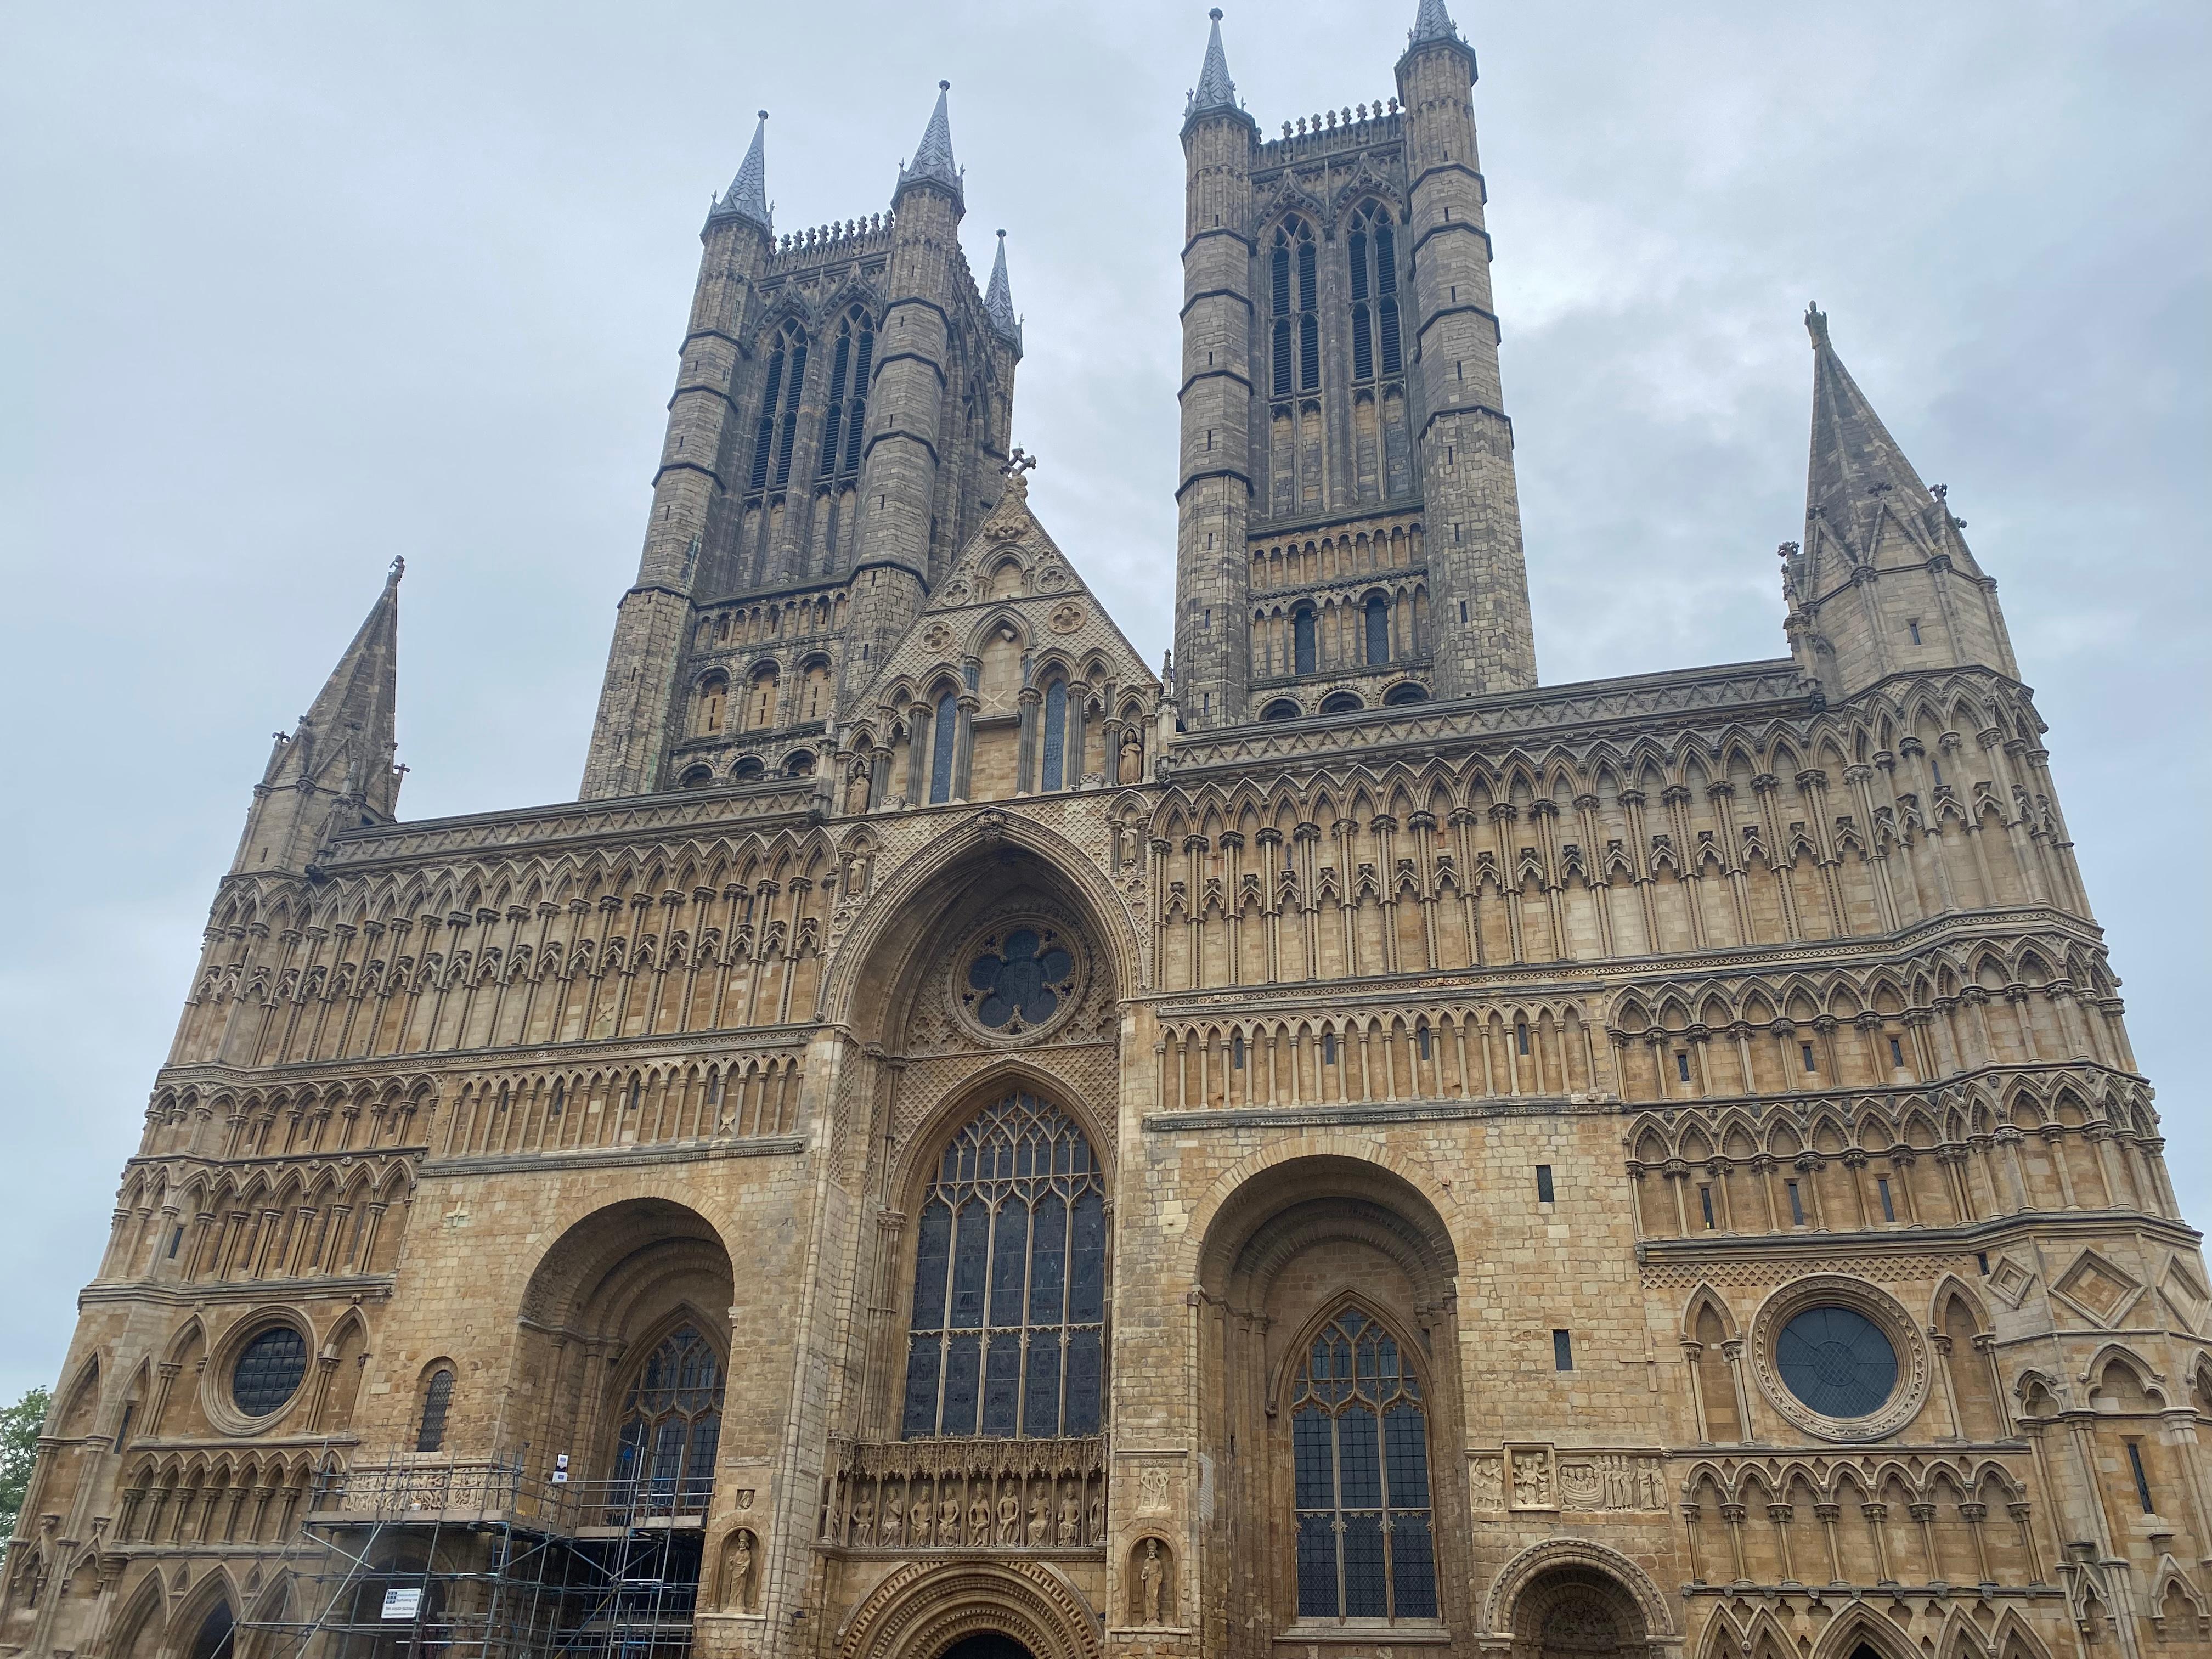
[1007,1337]
[1293,297]
[1359,1437]
[1371,251]
[850,362]
[945,732]
[779,415]
[671,1427]
[1055,736]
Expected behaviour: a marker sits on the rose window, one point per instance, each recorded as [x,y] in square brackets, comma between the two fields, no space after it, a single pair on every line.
[1018,981]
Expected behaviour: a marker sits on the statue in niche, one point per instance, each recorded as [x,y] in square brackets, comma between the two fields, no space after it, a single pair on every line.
[893,1526]
[1151,1607]
[1132,763]
[856,790]
[948,1521]
[1098,1518]
[1009,1519]
[920,1514]
[979,1520]
[1040,1528]
[863,1524]
[737,1590]
[1070,1520]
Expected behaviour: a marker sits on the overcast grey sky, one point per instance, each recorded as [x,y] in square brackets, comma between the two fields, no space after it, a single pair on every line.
[287,289]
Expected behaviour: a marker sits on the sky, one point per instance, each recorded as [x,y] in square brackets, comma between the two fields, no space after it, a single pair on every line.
[287,290]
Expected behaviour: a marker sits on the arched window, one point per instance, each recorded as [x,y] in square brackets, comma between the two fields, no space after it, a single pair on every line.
[1055,736]
[943,731]
[670,1425]
[760,700]
[1378,631]
[814,692]
[714,696]
[779,415]
[1408,692]
[748,769]
[1341,702]
[214,1640]
[437,1399]
[1304,651]
[1281,710]
[848,410]
[1371,252]
[1007,1336]
[1360,1445]
[1295,336]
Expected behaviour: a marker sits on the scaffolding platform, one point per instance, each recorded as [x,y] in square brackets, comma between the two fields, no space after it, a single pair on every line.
[423,1555]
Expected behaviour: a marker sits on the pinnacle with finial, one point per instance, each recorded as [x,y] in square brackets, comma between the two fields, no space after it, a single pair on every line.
[933,157]
[747,195]
[1215,92]
[1432,23]
[998,301]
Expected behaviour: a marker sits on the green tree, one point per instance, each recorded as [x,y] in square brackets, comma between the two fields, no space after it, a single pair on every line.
[19,1449]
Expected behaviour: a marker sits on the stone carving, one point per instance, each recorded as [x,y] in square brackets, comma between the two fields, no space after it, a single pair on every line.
[974,1494]
[1149,1597]
[1152,1491]
[1533,1484]
[1486,1480]
[1611,1481]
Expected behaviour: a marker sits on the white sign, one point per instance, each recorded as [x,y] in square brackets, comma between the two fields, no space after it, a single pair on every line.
[402,1603]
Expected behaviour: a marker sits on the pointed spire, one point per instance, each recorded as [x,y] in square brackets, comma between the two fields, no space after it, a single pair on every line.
[1215,91]
[1856,472]
[351,725]
[1432,23]
[998,301]
[933,157]
[747,195]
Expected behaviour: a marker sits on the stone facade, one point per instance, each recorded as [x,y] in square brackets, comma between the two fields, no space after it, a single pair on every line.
[958,1143]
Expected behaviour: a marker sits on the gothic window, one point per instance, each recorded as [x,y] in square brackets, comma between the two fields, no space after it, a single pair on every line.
[437,1400]
[1359,1440]
[760,700]
[714,696]
[1007,1337]
[670,1425]
[1303,653]
[944,730]
[779,416]
[1378,631]
[814,692]
[842,422]
[1295,331]
[1055,736]
[1372,253]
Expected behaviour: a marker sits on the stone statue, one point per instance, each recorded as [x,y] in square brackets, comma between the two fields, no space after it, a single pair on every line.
[892,1525]
[1040,1528]
[736,1586]
[979,1520]
[1070,1520]
[948,1521]
[1009,1519]
[1152,1585]
[864,1524]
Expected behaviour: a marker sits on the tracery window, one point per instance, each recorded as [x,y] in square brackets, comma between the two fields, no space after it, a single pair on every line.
[779,415]
[1371,251]
[1007,1335]
[842,422]
[1359,1440]
[671,1424]
[1296,328]
[437,1401]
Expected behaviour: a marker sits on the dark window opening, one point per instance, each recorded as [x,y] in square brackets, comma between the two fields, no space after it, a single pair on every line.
[1544,1183]
[1520,1035]
[1304,651]
[1328,1048]
[1378,631]
[1796,1204]
[430,1434]
[1683,1065]
[1236,1051]
[1805,1049]
[1914,628]
[269,1371]
[1896,1052]
[1422,1035]
[2142,1479]
[1563,1350]
[1705,1205]
[1882,1188]
[670,1428]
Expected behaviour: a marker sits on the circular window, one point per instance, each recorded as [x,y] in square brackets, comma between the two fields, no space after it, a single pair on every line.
[1839,1358]
[269,1371]
[1836,1361]
[1012,982]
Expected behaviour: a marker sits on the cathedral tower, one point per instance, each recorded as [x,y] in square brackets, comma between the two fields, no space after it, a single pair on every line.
[841,409]
[1348,532]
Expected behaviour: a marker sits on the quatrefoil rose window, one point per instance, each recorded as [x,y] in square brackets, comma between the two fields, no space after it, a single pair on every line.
[1016,981]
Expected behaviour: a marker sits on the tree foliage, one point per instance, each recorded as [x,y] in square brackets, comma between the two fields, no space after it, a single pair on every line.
[19,1448]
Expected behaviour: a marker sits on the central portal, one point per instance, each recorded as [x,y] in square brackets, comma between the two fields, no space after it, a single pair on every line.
[989,1645]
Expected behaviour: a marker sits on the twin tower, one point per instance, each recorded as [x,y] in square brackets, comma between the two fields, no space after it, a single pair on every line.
[1348,532]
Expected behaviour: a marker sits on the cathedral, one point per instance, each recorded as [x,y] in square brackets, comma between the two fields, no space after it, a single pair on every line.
[960,1145]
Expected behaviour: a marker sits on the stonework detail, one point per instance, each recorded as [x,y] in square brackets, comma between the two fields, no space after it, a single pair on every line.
[963,1141]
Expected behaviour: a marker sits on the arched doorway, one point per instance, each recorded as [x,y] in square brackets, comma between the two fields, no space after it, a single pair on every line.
[1578,1613]
[987,1644]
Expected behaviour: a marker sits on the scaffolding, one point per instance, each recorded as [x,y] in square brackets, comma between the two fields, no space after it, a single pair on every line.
[428,1558]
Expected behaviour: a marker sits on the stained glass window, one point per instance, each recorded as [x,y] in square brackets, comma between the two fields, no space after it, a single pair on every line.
[944,729]
[269,1371]
[1836,1361]
[437,1400]
[1007,1338]
[1055,733]
[1017,982]
[1360,1463]
[672,1426]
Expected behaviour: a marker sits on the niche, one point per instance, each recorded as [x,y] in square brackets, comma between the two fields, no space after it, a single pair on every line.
[1151,1579]
[737,1576]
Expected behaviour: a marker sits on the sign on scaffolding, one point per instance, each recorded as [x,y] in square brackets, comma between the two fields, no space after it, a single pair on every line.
[402,1603]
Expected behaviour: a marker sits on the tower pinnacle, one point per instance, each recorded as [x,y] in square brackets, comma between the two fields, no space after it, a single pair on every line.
[334,772]
[933,157]
[1431,22]
[747,195]
[998,300]
[1215,91]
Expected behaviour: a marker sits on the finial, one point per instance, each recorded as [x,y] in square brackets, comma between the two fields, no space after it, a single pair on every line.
[1018,461]
[944,86]
[1816,323]
[399,570]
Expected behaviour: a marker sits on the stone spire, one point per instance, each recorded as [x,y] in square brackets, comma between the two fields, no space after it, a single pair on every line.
[1431,22]
[747,195]
[334,772]
[1215,91]
[1883,582]
[933,157]
[998,301]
